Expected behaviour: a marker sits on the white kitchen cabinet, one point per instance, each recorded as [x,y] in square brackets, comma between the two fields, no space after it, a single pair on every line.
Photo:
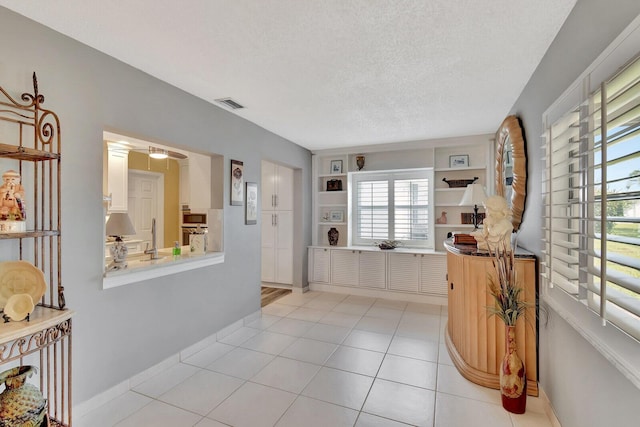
[404,272]
[319,265]
[344,268]
[277,187]
[358,268]
[117,177]
[277,223]
[424,273]
[371,271]
[433,274]
[195,182]
[277,247]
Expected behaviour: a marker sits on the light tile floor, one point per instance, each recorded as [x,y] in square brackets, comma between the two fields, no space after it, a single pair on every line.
[320,359]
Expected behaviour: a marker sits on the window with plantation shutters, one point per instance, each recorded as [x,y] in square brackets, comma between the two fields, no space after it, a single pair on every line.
[393,205]
[592,201]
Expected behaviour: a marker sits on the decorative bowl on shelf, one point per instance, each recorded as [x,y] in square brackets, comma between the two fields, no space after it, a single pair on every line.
[388,244]
[459,183]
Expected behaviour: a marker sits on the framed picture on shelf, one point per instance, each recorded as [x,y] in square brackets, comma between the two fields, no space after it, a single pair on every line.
[336,216]
[336,166]
[251,205]
[459,161]
[237,183]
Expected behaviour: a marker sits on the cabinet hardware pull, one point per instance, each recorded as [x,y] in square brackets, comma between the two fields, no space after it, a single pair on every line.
[276,216]
[451,285]
[276,197]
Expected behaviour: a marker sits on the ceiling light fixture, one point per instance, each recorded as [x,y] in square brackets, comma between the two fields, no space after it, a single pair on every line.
[158,153]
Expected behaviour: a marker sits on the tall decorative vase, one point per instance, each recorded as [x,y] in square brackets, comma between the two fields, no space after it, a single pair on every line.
[21,404]
[333,236]
[513,382]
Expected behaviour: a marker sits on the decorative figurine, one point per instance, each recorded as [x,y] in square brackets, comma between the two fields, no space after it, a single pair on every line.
[442,219]
[21,403]
[12,207]
[497,226]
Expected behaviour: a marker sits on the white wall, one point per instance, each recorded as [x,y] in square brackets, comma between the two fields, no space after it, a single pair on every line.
[585,389]
[122,331]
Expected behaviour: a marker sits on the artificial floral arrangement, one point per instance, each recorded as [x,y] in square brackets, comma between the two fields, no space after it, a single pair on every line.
[505,288]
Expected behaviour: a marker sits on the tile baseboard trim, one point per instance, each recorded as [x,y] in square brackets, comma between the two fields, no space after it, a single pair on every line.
[548,409]
[83,408]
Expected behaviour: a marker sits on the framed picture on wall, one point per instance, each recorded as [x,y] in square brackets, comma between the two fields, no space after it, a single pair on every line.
[237,183]
[336,166]
[251,204]
[459,161]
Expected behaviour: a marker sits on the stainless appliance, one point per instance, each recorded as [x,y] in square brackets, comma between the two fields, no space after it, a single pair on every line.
[191,222]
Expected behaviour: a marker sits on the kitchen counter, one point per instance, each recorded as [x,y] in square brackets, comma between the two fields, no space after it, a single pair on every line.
[140,267]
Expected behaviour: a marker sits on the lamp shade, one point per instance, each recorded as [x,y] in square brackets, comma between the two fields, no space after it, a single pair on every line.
[473,195]
[119,224]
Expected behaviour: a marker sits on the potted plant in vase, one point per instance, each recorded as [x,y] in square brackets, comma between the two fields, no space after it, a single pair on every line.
[509,305]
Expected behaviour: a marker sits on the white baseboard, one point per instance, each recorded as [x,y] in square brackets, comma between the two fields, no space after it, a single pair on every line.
[83,408]
[383,293]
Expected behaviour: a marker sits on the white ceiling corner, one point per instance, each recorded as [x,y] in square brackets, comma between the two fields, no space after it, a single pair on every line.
[331,73]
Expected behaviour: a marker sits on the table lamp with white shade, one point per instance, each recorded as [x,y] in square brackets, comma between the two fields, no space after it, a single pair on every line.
[118,225]
[474,195]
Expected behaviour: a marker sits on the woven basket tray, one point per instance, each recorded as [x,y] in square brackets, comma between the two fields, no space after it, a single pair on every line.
[459,183]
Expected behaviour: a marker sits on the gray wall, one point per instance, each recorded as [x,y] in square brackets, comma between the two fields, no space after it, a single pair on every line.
[122,331]
[584,388]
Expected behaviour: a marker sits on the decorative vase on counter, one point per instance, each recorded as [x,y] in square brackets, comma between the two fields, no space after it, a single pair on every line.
[21,404]
[513,382]
[333,235]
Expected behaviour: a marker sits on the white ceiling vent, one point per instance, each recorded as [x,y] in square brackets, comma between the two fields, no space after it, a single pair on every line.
[230,103]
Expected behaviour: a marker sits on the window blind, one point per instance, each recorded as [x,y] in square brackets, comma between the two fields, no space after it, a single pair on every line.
[393,205]
[591,192]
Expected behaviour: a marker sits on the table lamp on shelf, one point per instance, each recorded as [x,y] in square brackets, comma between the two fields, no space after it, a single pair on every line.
[474,195]
[119,224]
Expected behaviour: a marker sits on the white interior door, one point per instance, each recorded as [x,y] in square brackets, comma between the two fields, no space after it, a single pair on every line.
[145,203]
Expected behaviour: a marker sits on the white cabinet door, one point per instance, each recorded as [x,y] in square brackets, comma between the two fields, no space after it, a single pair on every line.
[344,267]
[277,253]
[268,186]
[117,179]
[284,247]
[433,274]
[268,247]
[372,270]
[284,188]
[404,272]
[199,182]
[185,192]
[320,263]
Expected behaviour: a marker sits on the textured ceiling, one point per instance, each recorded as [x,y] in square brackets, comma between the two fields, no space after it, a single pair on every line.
[329,73]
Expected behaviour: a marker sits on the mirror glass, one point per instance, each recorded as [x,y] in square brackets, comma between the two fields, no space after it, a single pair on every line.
[511,167]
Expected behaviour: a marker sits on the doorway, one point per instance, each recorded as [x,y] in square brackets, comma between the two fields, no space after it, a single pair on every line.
[145,202]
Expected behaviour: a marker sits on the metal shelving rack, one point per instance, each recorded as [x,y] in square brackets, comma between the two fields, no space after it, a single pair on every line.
[45,339]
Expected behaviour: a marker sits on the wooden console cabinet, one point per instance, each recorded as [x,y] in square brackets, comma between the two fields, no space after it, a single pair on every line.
[475,340]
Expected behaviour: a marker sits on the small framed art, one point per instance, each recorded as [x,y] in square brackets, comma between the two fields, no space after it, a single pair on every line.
[237,183]
[336,166]
[336,216]
[251,204]
[459,161]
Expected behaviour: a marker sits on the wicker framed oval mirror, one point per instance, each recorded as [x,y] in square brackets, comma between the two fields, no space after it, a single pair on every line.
[511,167]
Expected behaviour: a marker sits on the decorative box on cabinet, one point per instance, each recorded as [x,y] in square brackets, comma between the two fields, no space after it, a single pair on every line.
[474,339]
[45,339]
